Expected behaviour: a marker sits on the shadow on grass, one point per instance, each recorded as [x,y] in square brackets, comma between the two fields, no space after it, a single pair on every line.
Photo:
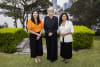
[97,37]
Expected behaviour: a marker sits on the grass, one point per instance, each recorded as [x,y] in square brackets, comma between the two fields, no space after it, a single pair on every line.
[82,58]
[44,41]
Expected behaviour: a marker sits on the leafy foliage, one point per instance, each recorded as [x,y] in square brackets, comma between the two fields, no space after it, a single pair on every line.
[85,12]
[10,37]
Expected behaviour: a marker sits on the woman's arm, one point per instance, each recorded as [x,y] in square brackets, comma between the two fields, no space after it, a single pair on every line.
[45,25]
[72,29]
[55,27]
[42,26]
[61,34]
[67,33]
[34,33]
[30,28]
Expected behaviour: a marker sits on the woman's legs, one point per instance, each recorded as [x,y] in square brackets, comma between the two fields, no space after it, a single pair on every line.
[39,50]
[66,51]
[54,48]
[36,48]
[48,45]
[51,43]
[32,46]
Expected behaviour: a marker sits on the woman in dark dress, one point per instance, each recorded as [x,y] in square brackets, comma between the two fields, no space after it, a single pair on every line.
[35,27]
[50,27]
[66,29]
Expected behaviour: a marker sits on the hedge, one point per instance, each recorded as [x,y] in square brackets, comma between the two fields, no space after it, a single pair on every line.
[1,26]
[10,37]
[83,37]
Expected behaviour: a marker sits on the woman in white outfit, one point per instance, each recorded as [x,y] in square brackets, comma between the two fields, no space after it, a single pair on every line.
[65,29]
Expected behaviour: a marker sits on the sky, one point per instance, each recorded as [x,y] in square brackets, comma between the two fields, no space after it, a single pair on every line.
[61,2]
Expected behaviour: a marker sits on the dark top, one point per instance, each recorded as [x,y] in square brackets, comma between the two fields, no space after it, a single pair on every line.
[51,25]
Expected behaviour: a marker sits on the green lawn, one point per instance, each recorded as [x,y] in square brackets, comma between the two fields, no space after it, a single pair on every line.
[82,58]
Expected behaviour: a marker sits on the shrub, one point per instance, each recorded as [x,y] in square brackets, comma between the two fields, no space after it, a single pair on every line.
[83,37]
[1,26]
[10,37]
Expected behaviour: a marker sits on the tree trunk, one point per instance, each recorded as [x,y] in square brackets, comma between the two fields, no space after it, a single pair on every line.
[23,20]
[26,21]
[15,22]
[15,19]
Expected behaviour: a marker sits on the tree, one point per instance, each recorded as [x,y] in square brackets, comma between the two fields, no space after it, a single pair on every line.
[20,9]
[85,12]
[12,10]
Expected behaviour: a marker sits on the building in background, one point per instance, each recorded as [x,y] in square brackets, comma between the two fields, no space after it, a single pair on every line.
[54,4]
[67,4]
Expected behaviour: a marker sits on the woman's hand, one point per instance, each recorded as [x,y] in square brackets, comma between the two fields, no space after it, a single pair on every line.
[62,35]
[65,34]
[50,34]
[38,37]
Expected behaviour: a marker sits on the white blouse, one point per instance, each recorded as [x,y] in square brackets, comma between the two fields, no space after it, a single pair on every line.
[68,27]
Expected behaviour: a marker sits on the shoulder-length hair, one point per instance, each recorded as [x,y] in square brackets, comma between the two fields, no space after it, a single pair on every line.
[60,18]
[38,18]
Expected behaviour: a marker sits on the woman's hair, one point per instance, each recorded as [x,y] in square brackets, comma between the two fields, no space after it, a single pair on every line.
[32,17]
[50,8]
[60,18]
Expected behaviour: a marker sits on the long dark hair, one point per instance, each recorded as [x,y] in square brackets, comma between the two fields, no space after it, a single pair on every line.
[60,18]
[38,18]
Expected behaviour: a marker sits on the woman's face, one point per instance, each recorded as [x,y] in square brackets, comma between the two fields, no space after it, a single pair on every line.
[64,17]
[35,14]
[51,12]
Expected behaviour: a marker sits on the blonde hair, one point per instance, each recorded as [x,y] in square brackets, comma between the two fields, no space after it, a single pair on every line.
[50,8]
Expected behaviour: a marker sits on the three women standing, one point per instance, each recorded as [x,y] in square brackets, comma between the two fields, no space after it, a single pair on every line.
[35,27]
[66,29]
[50,27]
